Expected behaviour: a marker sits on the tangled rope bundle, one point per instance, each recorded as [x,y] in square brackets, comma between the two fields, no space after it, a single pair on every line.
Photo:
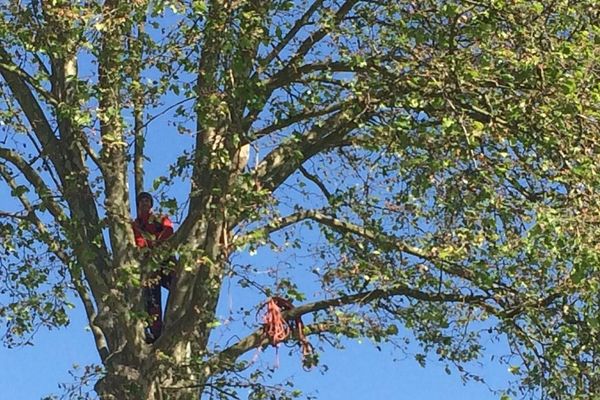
[277,329]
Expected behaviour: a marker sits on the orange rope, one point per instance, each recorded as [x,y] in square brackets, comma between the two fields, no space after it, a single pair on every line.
[277,329]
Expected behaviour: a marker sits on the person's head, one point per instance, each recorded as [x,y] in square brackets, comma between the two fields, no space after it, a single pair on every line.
[144,202]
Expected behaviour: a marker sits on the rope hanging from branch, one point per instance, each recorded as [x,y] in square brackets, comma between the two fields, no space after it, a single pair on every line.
[277,329]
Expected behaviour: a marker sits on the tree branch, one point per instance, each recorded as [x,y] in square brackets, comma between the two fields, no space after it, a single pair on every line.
[288,73]
[379,238]
[14,215]
[90,311]
[391,242]
[62,159]
[114,151]
[53,245]
[279,80]
[291,33]
[34,113]
[280,163]
[307,114]
[314,179]
[316,37]
[37,182]
[208,137]
[226,358]
[94,278]
[276,225]
[136,49]
[8,67]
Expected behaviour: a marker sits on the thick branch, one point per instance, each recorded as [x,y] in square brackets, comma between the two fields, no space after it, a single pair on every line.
[278,165]
[226,358]
[8,67]
[208,135]
[136,49]
[62,161]
[34,113]
[114,154]
[65,156]
[37,182]
[303,116]
[281,80]
[377,294]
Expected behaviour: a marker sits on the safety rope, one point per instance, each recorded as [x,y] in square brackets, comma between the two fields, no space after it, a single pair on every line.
[277,329]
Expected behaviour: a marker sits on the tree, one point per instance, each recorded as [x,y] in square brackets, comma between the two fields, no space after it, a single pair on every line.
[445,153]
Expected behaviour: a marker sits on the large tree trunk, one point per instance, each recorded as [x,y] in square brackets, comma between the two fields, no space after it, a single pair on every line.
[150,375]
[162,370]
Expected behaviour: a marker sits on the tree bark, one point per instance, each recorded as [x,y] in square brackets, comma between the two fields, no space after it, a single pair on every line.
[150,375]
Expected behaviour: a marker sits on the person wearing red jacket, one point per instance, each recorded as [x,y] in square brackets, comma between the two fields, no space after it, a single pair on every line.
[150,230]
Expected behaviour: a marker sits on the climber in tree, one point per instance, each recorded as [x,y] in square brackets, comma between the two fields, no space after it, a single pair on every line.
[150,230]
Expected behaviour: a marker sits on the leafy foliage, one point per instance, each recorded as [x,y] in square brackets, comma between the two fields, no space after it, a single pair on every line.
[431,166]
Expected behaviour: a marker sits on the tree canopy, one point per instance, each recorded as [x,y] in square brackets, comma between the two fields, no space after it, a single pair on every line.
[424,171]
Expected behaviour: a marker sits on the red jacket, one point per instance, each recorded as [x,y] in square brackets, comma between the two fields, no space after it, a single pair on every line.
[152,229]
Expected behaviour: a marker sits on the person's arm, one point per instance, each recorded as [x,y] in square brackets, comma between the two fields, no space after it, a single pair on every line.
[167,229]
[140,240]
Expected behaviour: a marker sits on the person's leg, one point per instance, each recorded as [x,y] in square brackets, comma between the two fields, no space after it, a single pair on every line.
[167,274]
[152,297]
[166,278]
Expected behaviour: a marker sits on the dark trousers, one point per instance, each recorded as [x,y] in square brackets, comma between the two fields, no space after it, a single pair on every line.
[153,302]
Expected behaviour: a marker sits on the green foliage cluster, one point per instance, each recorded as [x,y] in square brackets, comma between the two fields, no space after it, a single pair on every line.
[436,162]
